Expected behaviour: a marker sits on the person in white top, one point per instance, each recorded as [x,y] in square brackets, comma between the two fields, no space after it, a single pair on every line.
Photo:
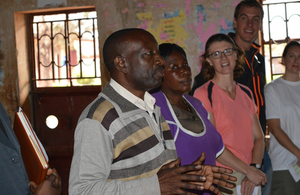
[283,120]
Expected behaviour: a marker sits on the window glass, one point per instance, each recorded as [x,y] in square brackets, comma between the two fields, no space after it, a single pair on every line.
[66,50]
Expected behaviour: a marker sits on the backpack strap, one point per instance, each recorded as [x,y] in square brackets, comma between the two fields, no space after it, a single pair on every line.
[211,84]
[209,92]
[245,90]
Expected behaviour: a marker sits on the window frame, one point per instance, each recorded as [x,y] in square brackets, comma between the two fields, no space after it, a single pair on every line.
[269,43]
[31,46]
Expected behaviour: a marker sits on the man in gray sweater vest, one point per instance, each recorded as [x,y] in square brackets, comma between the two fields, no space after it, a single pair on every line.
[123,145]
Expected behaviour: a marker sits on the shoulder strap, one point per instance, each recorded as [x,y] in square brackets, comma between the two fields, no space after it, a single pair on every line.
[211,84]
[209,90]
[246,91]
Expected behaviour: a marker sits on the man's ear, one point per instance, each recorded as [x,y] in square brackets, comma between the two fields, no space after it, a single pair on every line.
[234,23]
[120,64]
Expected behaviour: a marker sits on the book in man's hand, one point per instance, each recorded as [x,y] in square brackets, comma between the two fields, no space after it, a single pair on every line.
[33,153]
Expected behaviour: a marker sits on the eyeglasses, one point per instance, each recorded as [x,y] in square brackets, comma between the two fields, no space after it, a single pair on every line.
[218,54]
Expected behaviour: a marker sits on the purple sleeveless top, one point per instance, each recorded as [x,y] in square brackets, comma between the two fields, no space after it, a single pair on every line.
[190,145]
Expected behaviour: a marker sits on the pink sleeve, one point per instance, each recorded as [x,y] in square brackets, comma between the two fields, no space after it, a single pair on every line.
[202,94]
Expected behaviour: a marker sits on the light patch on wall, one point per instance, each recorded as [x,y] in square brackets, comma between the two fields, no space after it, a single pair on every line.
[169,29]
[205,29]
[217,5]
[176,24]
[141,5]
[188,7]
[106,15]
[235,3]
[115,25]
[145,20]
[161,5]
[106,5]
[223,23]
[45,3]
[124,11]
[202,33]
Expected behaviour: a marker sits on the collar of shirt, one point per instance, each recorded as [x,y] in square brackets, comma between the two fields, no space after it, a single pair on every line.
[147,104]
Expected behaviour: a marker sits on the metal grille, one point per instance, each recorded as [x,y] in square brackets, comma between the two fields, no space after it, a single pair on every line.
[281,25]
[66,50]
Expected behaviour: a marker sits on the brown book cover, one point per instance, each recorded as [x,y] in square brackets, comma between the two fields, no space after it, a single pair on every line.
[33,153]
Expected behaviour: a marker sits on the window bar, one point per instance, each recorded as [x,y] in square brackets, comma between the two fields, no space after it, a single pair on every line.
[69,76]
[66,45]
[286,24]
[38,48]
[67,49]
[80,47]
[52,51]
[270,42]
[94,43]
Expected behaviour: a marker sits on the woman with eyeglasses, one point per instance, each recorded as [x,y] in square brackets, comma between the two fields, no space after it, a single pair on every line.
[231,106]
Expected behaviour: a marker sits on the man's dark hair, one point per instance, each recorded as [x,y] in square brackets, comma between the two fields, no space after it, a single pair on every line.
[117,44]
[248,3]
[166,49]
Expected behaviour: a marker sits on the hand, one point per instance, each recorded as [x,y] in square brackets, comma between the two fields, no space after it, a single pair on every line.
[298,162]
[247,187]
[256,176]
[214,175]
[50,186]
[173,178]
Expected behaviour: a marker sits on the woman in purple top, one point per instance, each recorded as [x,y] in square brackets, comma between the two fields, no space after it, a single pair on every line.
[188,120]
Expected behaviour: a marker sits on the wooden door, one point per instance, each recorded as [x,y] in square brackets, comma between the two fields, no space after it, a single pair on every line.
[67,105]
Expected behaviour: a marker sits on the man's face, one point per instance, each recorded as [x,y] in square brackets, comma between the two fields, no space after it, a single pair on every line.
[247,24]
[144,62]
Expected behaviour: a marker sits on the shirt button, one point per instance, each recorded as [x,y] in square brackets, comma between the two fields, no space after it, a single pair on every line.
[15,159]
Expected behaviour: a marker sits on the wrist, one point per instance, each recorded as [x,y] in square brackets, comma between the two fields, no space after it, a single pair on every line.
[298,155]
[256,165]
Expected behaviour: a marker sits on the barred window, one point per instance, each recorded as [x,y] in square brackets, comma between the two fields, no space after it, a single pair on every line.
[66,49]
[280,25]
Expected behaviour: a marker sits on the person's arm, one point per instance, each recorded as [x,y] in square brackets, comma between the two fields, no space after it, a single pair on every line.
[257,154]
[282,138]
[258,138]
[248,184]
[91,165]
[229,159]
